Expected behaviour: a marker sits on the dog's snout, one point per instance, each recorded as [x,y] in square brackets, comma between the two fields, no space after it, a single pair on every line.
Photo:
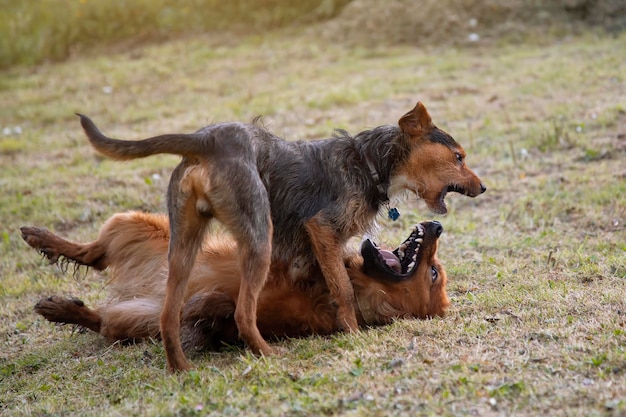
[436,227]
[482,188]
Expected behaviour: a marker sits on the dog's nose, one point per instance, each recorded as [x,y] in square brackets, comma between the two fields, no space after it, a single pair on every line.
[482,188]
[438,228]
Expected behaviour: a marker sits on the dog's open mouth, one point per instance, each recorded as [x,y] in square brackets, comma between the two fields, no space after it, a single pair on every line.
[399,263]
[441,207]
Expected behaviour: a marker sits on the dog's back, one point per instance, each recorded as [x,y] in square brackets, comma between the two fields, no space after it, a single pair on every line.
[293,202]
[136,251]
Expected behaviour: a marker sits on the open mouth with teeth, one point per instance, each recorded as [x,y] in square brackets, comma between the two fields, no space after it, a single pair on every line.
[441,207]
[396,265]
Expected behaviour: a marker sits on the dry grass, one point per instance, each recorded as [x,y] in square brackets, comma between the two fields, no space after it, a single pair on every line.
[463,22]
[537,264]
[36,31]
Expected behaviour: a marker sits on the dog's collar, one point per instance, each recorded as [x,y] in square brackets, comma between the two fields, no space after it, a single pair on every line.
[382,189]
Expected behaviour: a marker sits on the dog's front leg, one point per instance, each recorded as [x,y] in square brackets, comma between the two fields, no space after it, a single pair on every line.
[54,247]
[329,253]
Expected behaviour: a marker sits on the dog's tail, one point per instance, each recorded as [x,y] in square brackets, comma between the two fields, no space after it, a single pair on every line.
[177,144]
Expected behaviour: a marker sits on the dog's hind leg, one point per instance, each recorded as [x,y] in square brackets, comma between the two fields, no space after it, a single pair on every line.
[240,201]
[329,254]
[133,319]
[190,213]
[255,258]
[243,207]
[54,247]
[187,231]
[68,311]
[183,248]
[231,191]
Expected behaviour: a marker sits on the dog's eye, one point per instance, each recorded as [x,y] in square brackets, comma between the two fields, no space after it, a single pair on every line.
[459,158]
[433,273]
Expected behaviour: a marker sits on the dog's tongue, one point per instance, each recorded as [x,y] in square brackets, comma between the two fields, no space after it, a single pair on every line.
[391,260]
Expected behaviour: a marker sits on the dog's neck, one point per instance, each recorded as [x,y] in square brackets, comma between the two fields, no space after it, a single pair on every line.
[382,187]
[381,149]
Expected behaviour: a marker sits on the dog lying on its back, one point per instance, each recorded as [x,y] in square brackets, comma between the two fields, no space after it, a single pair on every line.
[406,282]
[289,205]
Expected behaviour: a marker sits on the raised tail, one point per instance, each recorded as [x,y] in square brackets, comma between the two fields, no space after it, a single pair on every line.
[177,144]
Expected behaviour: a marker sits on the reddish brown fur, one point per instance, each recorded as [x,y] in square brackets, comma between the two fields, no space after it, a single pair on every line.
[437,167]
[134,248]
[294,204]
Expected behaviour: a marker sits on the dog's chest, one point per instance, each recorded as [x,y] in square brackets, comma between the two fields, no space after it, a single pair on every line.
[322,179]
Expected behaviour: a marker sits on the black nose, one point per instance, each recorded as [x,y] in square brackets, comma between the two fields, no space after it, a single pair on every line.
[482,188]
[438,228]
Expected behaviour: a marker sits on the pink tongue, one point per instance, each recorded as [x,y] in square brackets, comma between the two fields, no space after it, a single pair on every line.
[391,260]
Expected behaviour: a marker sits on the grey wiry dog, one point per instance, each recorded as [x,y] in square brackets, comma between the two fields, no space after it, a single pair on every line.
[292,204]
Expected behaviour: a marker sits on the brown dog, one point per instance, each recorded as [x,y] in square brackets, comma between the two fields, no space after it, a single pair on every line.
[408,282]
[293,205]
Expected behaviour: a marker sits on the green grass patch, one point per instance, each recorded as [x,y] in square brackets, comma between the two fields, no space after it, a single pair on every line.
[536,265]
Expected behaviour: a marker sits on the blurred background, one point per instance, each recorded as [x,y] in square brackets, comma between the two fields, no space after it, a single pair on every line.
[33,31]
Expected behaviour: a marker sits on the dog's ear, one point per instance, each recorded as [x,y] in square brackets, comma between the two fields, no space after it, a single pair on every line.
[417,121]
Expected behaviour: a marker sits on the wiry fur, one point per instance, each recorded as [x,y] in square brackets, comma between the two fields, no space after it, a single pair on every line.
[288,205]
[133,246]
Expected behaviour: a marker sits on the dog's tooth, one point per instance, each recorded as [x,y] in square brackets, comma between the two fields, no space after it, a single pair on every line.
[410,267]
[417,249]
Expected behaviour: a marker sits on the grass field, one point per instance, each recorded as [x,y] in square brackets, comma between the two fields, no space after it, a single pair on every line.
[537,265]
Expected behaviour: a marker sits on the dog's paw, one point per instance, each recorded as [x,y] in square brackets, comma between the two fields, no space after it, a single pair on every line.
[38,238]
[347,322]
[267,350]
[177,364]
[59,310]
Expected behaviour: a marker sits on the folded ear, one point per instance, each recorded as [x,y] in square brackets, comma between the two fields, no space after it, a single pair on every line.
[417,121]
